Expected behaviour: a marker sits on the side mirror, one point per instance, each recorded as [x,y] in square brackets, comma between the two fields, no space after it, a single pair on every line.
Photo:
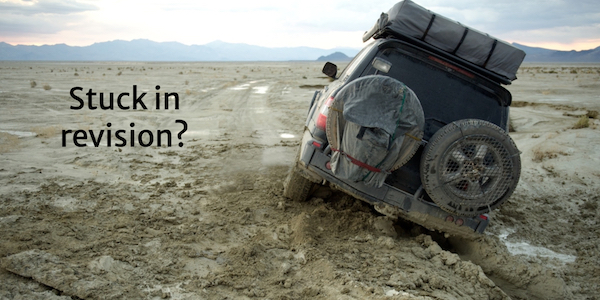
[330,69]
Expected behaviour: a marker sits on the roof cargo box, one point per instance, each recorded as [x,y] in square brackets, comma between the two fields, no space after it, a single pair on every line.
[407,18]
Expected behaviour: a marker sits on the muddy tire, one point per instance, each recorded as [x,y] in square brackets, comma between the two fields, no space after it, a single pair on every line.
[470,167]
[296,187]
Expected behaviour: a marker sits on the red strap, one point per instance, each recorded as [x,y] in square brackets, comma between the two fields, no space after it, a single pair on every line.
[358,162]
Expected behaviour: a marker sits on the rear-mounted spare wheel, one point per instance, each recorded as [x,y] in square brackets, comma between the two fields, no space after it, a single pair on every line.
[372,89]
[470,167]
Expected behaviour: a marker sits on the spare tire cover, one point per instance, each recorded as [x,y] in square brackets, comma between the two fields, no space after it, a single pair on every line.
[379,103]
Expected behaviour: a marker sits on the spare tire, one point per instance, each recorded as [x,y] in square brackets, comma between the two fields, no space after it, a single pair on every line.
[470,167]
[372,93]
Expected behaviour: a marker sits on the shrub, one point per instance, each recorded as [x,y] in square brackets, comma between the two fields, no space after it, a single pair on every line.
[582,122]
[33,83]
[47,87]
[540,155]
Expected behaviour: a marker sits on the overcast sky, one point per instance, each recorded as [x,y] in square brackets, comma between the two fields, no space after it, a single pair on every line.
[554,24]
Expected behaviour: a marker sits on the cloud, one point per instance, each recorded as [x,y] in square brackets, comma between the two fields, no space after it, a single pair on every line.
[558,20]
[61,7]
[586,34]
[532,21]
[31,18]
[17,25]
[283,23]
[510,15]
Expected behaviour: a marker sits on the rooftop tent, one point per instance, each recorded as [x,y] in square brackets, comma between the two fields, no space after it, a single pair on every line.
[407,18]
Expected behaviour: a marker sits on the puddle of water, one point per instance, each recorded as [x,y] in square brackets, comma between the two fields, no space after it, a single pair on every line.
[240,87]
[516,248]
[260,89]
[202,132]
[20,134]
[287,136]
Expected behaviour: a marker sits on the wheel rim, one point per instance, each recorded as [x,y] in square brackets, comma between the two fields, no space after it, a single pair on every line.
[476,170]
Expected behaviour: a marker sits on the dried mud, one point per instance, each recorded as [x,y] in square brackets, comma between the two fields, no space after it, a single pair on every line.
[208,220]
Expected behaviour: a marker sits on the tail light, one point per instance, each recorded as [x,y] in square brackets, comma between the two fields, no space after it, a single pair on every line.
[322,118]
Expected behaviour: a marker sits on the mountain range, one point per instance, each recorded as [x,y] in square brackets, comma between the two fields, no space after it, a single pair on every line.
[146,50]
[535,54]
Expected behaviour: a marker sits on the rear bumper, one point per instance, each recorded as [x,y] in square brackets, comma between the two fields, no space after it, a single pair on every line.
[313,164]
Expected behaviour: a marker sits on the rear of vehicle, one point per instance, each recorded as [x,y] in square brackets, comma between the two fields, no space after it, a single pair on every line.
[463,163]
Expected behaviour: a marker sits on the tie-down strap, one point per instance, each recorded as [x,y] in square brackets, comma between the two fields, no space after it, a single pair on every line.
[358,162]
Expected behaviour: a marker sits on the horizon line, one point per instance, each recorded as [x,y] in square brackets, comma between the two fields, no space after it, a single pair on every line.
[190,45]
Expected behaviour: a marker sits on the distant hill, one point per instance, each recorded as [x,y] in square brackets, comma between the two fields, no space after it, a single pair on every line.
[146,50]
[336,56]
[546,55]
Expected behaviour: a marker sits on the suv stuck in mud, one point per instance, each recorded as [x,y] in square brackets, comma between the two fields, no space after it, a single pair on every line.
[416,124]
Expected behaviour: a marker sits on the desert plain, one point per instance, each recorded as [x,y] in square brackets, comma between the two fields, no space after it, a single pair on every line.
[83,218]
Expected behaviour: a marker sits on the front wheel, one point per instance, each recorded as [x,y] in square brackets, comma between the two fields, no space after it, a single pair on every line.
[296,187]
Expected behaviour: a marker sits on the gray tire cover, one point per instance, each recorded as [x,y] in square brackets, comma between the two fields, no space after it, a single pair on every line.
[394,122]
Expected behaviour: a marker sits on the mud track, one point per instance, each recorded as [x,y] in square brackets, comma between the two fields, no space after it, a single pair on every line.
[208,220]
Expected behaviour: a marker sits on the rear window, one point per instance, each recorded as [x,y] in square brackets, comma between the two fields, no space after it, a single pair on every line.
[447,92]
